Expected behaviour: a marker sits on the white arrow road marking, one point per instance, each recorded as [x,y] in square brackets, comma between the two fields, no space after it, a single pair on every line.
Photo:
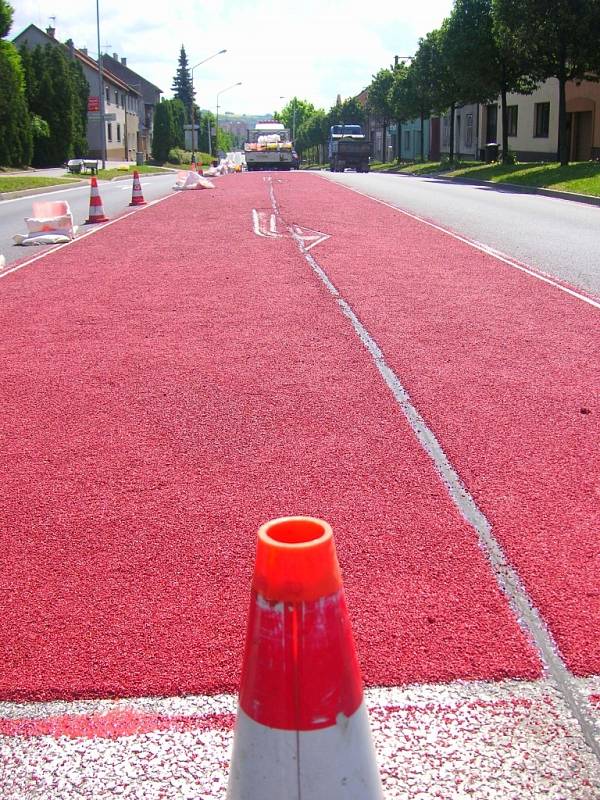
[266,224]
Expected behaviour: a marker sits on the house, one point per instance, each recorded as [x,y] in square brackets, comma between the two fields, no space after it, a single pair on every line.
[149,100]
[466,132]
[126,128]
[533,122]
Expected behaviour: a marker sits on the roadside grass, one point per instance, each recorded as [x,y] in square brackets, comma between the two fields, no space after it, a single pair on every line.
[582,177]
[17,183]
[120,172]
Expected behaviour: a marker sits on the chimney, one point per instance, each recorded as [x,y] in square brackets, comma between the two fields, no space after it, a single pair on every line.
[50,31]
[124,62]
[84,51]
[116,56]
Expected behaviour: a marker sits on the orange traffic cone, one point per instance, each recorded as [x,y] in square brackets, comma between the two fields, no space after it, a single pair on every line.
[302,728]
[96,207]
[137,198]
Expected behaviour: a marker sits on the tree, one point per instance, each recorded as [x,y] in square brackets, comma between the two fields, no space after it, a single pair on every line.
[313,132]
[162,140]
[294,113]
[182,84]
[560,40]
[399,101]
[472,38]
[179,116]
[16,141]
[80,95]
[379,100]
[444,86]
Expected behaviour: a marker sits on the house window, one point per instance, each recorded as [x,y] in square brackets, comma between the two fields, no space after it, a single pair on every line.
[118,132]
[109,127]
[468,130]
[513,116]
[122,101]
[542,120]
[407,140]
[446,131]
[116,98]
[107,95]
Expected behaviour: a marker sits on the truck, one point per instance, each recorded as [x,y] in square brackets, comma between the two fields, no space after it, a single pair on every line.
[348,147]
[269,146]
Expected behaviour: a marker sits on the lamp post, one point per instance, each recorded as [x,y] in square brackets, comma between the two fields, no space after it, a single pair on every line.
[192,110]
[282,97]
[101,89]
[239,83]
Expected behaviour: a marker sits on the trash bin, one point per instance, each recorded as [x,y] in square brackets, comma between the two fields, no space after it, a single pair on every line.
[139,159]
[491,152]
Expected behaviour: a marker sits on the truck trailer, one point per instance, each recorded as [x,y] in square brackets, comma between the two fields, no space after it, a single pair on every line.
[269,146]
[348,147]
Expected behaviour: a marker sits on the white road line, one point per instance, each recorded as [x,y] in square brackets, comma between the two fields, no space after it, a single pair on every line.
[95,229]
[482,247]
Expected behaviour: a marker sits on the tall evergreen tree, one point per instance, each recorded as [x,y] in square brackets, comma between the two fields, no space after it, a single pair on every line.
[182,84]
[15,122]
[162,139]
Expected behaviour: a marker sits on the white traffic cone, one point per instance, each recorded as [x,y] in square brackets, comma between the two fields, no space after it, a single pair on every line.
[302,729]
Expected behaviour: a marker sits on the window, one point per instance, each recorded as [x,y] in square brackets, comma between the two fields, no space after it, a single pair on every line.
[513,116]
[116,98]
[122,101]
[118,132]
[109,126]
[407,140]
[468,130]
[446,131]
[107,95]
[542,120]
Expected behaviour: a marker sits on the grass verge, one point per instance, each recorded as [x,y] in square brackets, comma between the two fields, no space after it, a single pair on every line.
[18,183]
[581,177]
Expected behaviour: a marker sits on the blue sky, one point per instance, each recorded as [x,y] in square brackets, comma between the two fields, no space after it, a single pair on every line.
[310,49]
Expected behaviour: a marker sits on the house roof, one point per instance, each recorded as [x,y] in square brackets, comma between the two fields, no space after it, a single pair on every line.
[81,56]
[108,58]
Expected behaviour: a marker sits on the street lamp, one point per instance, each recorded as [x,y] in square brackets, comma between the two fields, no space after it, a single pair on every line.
[192,110]
[101,89]
[239,83]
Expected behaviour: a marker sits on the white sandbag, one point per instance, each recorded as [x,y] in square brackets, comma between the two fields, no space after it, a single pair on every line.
[192,181]
[40,238]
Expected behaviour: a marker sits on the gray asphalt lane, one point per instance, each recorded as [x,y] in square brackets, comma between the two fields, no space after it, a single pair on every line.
[116,196]
[559,237]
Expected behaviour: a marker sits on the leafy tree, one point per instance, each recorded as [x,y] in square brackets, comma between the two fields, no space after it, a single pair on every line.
[182,84]
[81,92]
[15,122]
[294,113]
[560,40]
[380,102]
[163,137]
[445,88]
[313,131]
[207,122]
[472,38]
[6,18]
[400,101]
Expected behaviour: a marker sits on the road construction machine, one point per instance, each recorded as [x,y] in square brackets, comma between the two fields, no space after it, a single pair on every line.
[348,147]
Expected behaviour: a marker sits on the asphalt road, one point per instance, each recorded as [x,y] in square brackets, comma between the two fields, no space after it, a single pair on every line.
[116,196]
[559,237]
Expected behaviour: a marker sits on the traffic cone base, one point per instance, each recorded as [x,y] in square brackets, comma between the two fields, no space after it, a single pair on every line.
[96,213]
[302,730]
[335,762]
[137,198]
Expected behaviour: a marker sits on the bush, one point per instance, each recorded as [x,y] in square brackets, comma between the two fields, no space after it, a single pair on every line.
[179,156]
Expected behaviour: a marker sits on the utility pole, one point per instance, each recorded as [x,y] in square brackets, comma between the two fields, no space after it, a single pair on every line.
[101,88]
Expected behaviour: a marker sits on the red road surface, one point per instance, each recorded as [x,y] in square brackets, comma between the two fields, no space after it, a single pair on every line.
[506,371]
[174,380]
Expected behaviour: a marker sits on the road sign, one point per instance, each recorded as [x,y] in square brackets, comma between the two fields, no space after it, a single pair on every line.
[96,117]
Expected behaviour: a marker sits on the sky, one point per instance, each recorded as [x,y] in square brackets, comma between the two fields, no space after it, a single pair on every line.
[310,49]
